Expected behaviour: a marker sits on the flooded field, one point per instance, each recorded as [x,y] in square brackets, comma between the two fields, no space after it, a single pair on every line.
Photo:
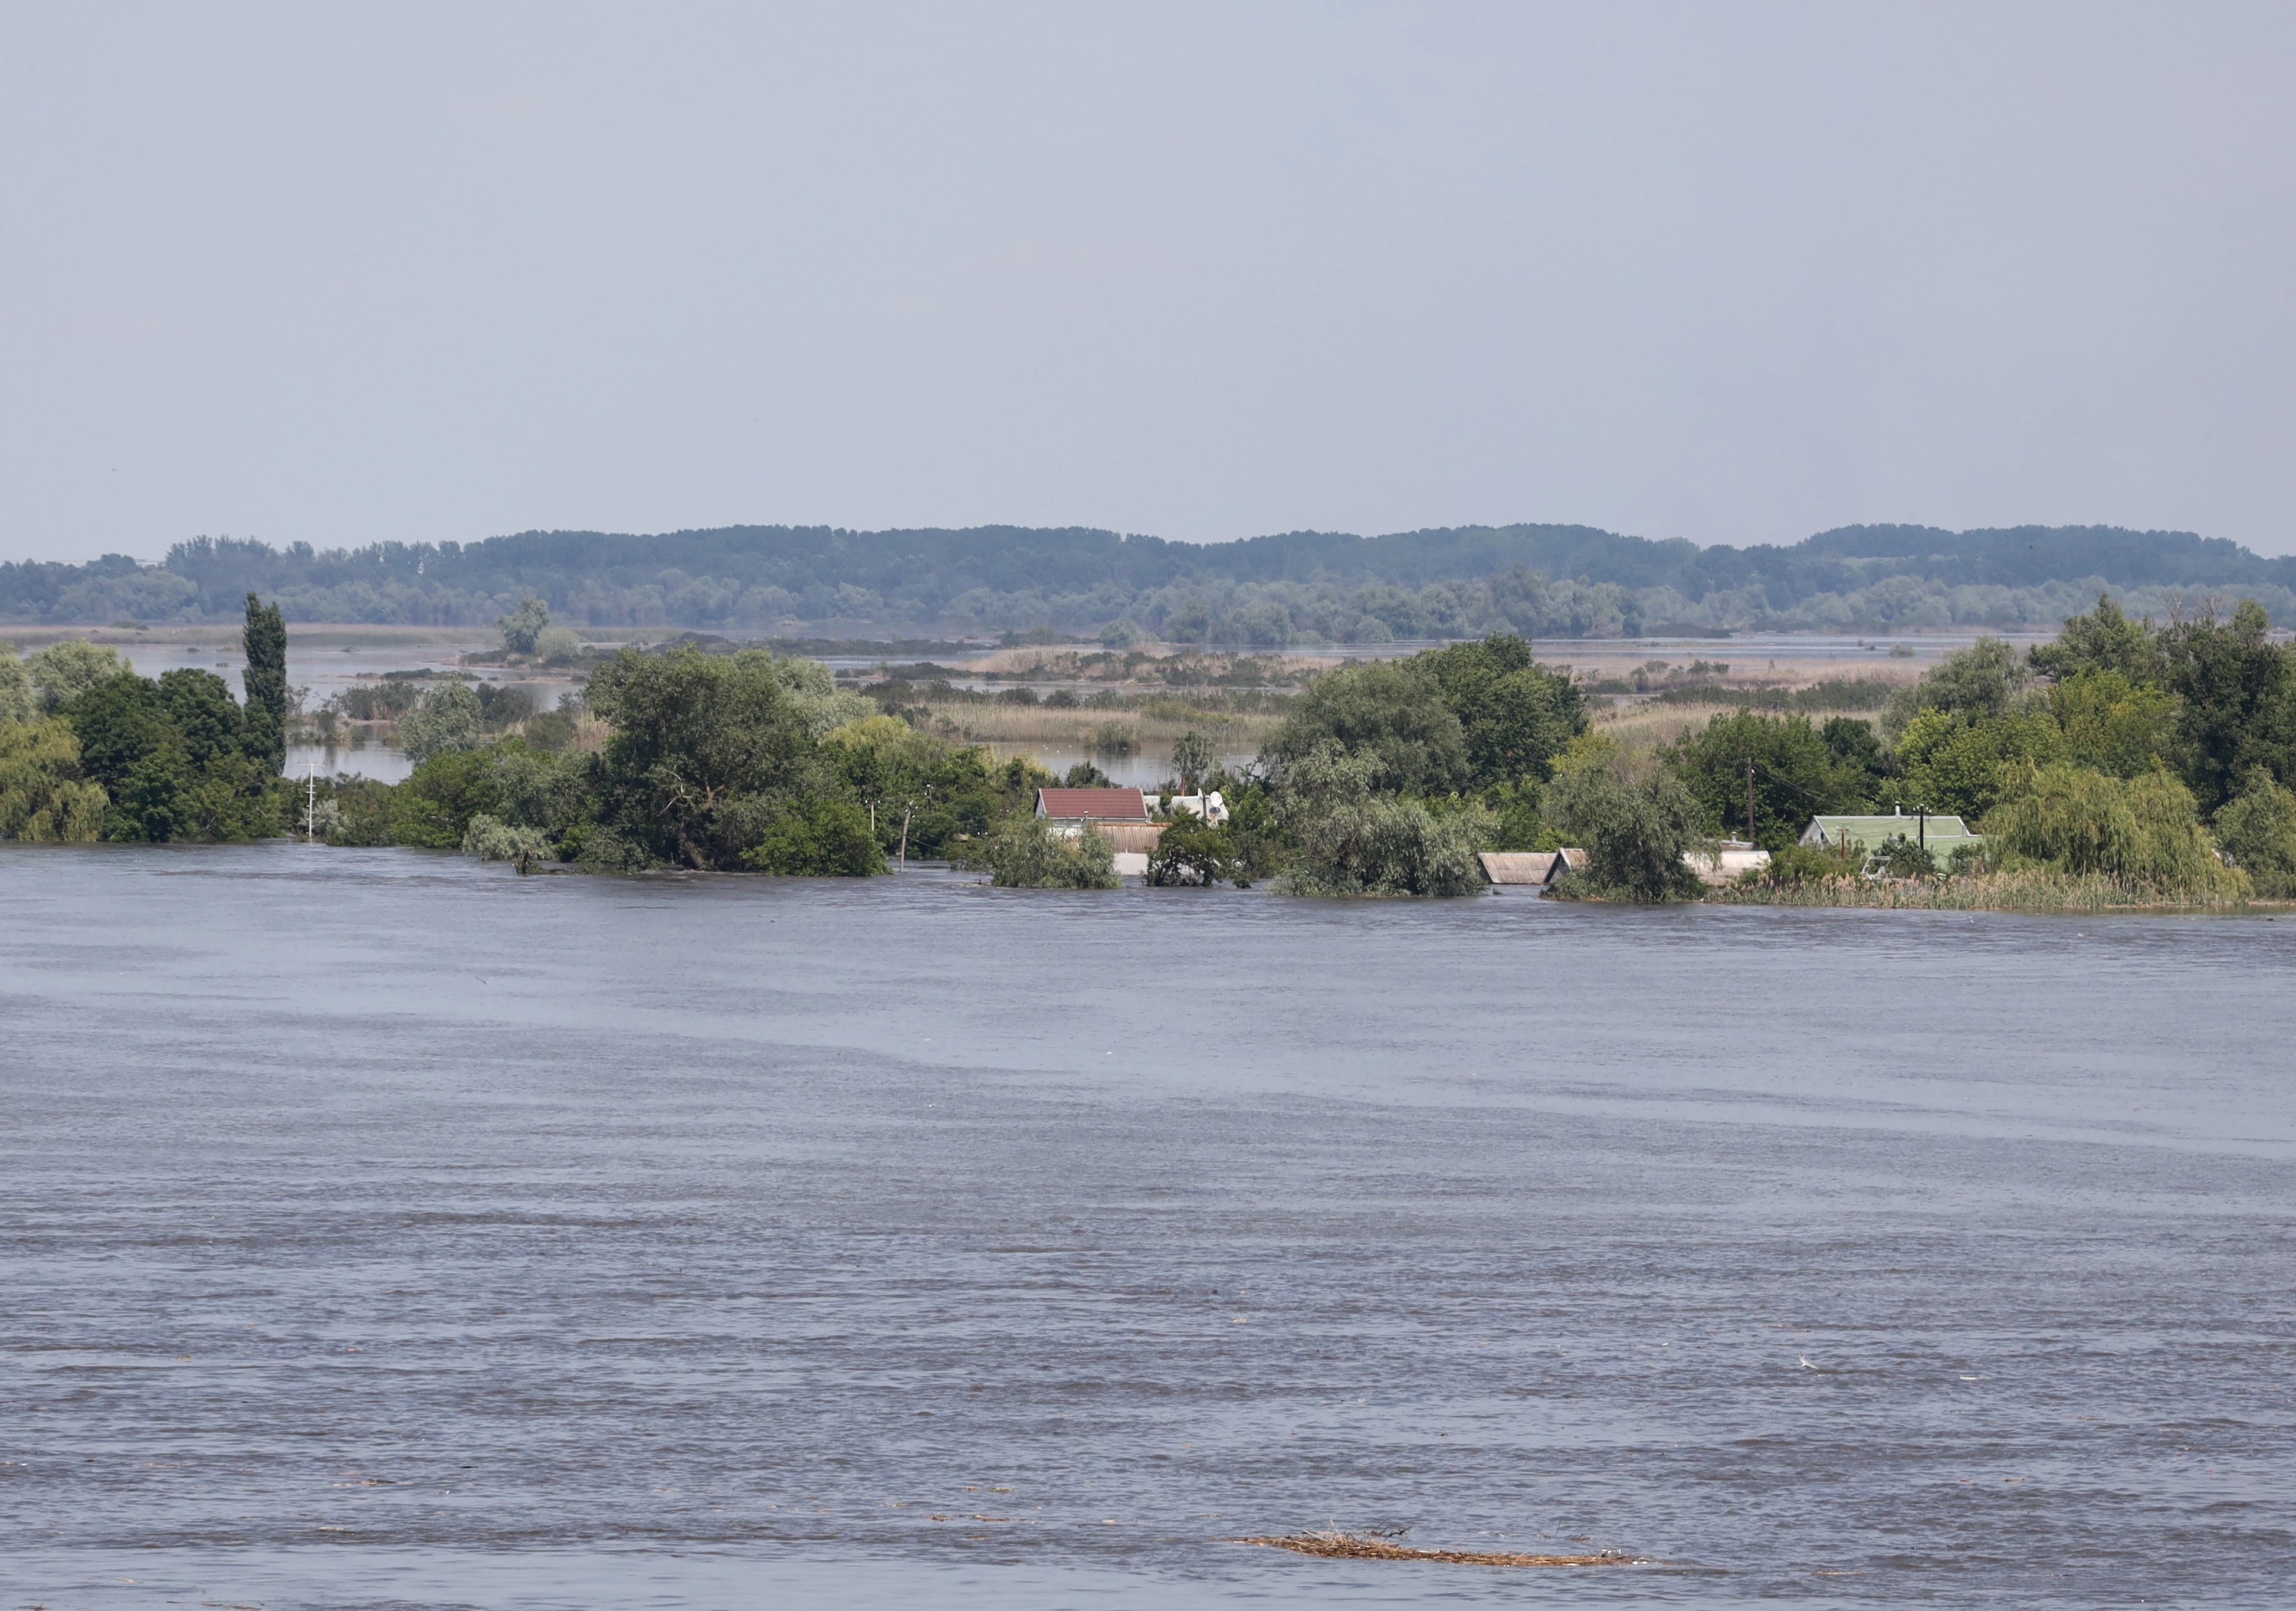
[380,1228]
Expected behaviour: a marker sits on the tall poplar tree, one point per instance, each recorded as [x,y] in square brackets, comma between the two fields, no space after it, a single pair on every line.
[266,680]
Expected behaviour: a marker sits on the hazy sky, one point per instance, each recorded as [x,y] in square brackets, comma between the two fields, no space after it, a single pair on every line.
[1735,273]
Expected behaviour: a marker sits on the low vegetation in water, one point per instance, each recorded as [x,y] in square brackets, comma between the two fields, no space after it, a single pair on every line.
[1356,1546]
[2032,888]
[1027,853]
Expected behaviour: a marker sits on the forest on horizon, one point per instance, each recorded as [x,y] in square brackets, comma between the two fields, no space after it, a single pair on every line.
[1296,588]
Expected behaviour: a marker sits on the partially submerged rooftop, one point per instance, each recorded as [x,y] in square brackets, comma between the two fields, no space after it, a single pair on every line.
[1092,805]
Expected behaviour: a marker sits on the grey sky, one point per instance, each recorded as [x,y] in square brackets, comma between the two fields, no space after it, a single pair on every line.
[1728,272]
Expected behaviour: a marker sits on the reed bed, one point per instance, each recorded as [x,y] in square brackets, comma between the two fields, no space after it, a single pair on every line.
[1647,725]
[1352,1546]
[2027,891]
[1149,727]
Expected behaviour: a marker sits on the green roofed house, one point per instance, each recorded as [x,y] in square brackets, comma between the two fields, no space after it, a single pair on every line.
[1941,836]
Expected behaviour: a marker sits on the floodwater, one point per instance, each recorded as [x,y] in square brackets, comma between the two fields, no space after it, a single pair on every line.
[378,1229]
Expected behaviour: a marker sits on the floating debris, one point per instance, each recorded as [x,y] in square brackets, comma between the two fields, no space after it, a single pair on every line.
[1355,1546]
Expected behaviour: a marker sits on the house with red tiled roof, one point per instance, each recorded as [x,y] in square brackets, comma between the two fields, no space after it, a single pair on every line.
[1091,805]
[1121,815]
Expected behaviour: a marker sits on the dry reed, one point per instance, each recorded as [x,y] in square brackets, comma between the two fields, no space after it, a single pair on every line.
[1076,728]
[1352,1546]
[1642,725]
[2029,890]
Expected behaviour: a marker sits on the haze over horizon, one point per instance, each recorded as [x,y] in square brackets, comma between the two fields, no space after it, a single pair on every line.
[1200,273]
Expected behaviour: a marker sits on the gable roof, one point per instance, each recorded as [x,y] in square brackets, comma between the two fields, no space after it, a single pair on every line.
[1102,805]
[1870,833]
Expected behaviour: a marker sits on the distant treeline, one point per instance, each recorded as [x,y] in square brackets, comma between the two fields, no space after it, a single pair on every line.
[1301,588]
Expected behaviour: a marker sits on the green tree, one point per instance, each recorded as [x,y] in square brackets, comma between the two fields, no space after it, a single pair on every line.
[1636,832]
[539,790]
[521,629]
[265,640]
[2146,830]
[2257,830]
[2103,640]
[2237,693]
[165,783]
[46,796]
[701,745]
[2113,724]
[1391,712]
[197,704]
[1955,766]
[435,806]
[1796,776]
[817,837]
[63,671]
[1854,744]
[127,746]
[1262,844]
[17,700]
[1191,852]
[1192,760]
[1353,841]
[1514,716]
[1978,684]
[449,717]
[813,691]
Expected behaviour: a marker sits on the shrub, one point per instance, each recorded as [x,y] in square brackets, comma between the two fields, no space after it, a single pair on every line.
[435,806]
[2257,830]
[1027,853]
[558,645]
[1902,857]
[448,719]
[490,839]
[818,838]
[1799,864]
[1193,853]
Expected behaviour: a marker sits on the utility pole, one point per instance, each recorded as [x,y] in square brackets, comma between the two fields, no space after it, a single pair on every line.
[1749,801]
[311,802]
[908,809]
